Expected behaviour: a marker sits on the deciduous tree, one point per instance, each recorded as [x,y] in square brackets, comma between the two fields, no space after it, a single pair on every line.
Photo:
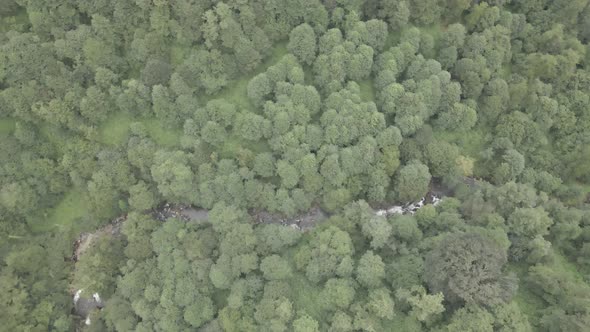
[469,270]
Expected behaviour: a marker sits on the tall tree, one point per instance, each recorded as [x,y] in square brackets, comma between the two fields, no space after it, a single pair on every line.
[467,268]
[412,182]
[302,43]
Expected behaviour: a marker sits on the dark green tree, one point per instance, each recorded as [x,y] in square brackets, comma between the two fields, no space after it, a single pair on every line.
[412,182]
[469,270]
[302,43]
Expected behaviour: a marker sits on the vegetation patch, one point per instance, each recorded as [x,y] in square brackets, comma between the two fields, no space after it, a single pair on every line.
[315,141]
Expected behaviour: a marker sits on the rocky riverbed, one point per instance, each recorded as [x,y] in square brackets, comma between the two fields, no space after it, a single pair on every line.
[303,222]
[409,208]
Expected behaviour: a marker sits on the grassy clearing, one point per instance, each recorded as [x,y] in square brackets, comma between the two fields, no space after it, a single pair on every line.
[54,135]
[232,146]
[308,75]
[529,302]
[178,53]
[162,136]
[561,263]
[115,130]
[585,187]
[7,126]
[307,296]
[506,71]
[394,37]
[276,54]
[434,30]
[367,90]
[16,22]
[73,206]
[471,143]
[237,91]
[402,322]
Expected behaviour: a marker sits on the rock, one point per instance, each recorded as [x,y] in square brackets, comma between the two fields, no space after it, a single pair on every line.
[77,296]
[411,208]
[396,209]
[83,306]
[436,200]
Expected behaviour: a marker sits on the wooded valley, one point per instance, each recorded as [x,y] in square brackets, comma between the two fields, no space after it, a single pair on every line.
[295,165]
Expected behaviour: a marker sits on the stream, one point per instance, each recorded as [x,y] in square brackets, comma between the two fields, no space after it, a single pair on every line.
[303,222]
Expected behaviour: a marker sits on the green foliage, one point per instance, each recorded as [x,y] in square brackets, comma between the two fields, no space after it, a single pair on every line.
[412,182]
[288,174]
[98,265]
[323,262]
[442,159]
[370,270]
[338,293]
[378,230]
[275,268]
[305,324]
[255,116]
[380,303]
[141,197]
[459,117]
[173,176]
[405,229]
[64,215]
[471,319]
[424,307]
[458,271]
[529,222]
[302,43]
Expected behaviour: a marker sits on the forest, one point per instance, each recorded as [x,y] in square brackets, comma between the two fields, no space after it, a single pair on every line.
[295,165]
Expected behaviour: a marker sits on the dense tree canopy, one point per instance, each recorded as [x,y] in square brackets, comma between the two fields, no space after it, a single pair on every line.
[296,165]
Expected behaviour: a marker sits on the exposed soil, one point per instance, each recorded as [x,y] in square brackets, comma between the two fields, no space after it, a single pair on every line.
[85,240]
[162,213]
[83,306]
